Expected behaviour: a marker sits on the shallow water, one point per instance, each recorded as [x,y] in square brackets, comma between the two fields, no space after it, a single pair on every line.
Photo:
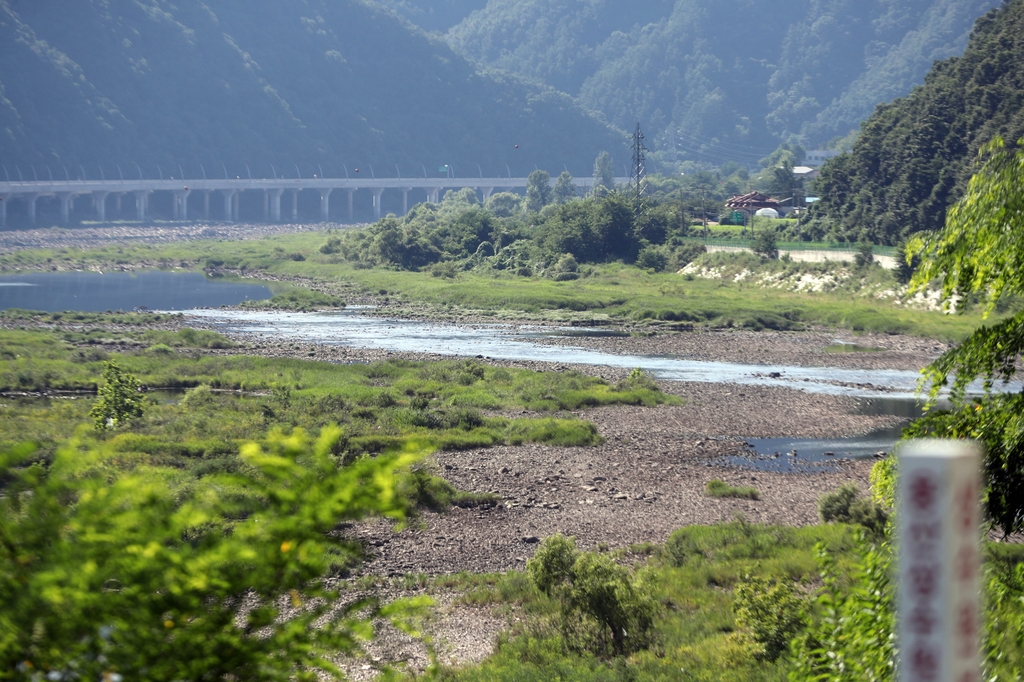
[354,329]
[95,292]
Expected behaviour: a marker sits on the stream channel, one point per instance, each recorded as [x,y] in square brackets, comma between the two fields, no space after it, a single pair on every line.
[878,392]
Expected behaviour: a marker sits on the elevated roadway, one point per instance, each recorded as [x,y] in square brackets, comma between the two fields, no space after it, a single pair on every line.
[227,192]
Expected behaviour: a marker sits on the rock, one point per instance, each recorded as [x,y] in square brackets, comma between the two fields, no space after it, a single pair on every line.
[622,496]
[774,375]
[531,539]
[600,478]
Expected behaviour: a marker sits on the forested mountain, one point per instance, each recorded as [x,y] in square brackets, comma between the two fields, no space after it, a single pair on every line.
[915,155]
[434,15]
[722,80]
[262,82]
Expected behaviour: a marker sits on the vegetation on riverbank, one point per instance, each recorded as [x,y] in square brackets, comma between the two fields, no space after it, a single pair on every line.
[728,601]
[208,404]
[600,293]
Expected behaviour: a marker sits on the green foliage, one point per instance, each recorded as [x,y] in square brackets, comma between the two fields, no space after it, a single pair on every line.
[565,189]
[426,491]
[998,422]
[105,571]
[604,609]
[538,190]
[718,488]
[718,95]
[852,636]
[652,258]
[914,156]
[771,611]
[118,401]
[765,244]
[300,299]
[865,255]
[604,173]
[844,506]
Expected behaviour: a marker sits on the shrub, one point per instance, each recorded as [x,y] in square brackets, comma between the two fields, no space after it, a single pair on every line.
[765,244]
[652,258]
[843,506]
[835,506]
[604,608]
[119,400]
[718,488]
[771,612]
[865,255]
[109,570]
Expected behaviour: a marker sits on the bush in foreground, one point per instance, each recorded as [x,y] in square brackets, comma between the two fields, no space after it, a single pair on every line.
[105,573]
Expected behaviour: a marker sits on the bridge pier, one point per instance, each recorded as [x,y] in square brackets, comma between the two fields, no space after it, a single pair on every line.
[99,200]
[266,206]
[229,204]
[31,199]
[376,202]
[432,193]
[350,193]
[206,204]
[236,206]
[487,192]
[141,203]
[117,204]
[3,210]
[275,204]
[295,205]
[181,204]
[325,204]
[405,201]
[66,204]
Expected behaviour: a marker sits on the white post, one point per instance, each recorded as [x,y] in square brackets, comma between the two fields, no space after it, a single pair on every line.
[940,561]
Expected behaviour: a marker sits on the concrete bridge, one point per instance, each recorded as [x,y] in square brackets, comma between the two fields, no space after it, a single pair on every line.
[227,192]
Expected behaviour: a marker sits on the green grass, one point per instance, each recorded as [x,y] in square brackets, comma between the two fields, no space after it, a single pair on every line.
[608,292]
[209,404]
[717,488]
[691,576]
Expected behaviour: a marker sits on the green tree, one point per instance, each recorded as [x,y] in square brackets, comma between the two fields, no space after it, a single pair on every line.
[565,188]
[538,191]
[603,607]
[119,400]
[980,252]
[604,173]
[106,571]
[771,611]
[765,244]
[505,204]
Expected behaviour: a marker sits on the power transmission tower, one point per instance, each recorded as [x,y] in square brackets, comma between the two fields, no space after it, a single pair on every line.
[639,179]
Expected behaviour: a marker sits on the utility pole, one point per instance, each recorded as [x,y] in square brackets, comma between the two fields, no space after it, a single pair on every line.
[639,179]
[704,214]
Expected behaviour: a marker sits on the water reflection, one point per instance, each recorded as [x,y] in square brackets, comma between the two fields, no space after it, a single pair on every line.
[95,292]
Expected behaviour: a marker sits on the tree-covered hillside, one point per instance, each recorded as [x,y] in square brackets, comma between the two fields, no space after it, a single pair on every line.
[722,80]
[915,155]
[283,82]
[434,15]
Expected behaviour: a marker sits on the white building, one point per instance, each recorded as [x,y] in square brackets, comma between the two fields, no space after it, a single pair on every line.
[819,156]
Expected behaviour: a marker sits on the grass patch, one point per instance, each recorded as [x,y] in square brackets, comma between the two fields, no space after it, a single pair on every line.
[610,291]
[299,299]
[717,488]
